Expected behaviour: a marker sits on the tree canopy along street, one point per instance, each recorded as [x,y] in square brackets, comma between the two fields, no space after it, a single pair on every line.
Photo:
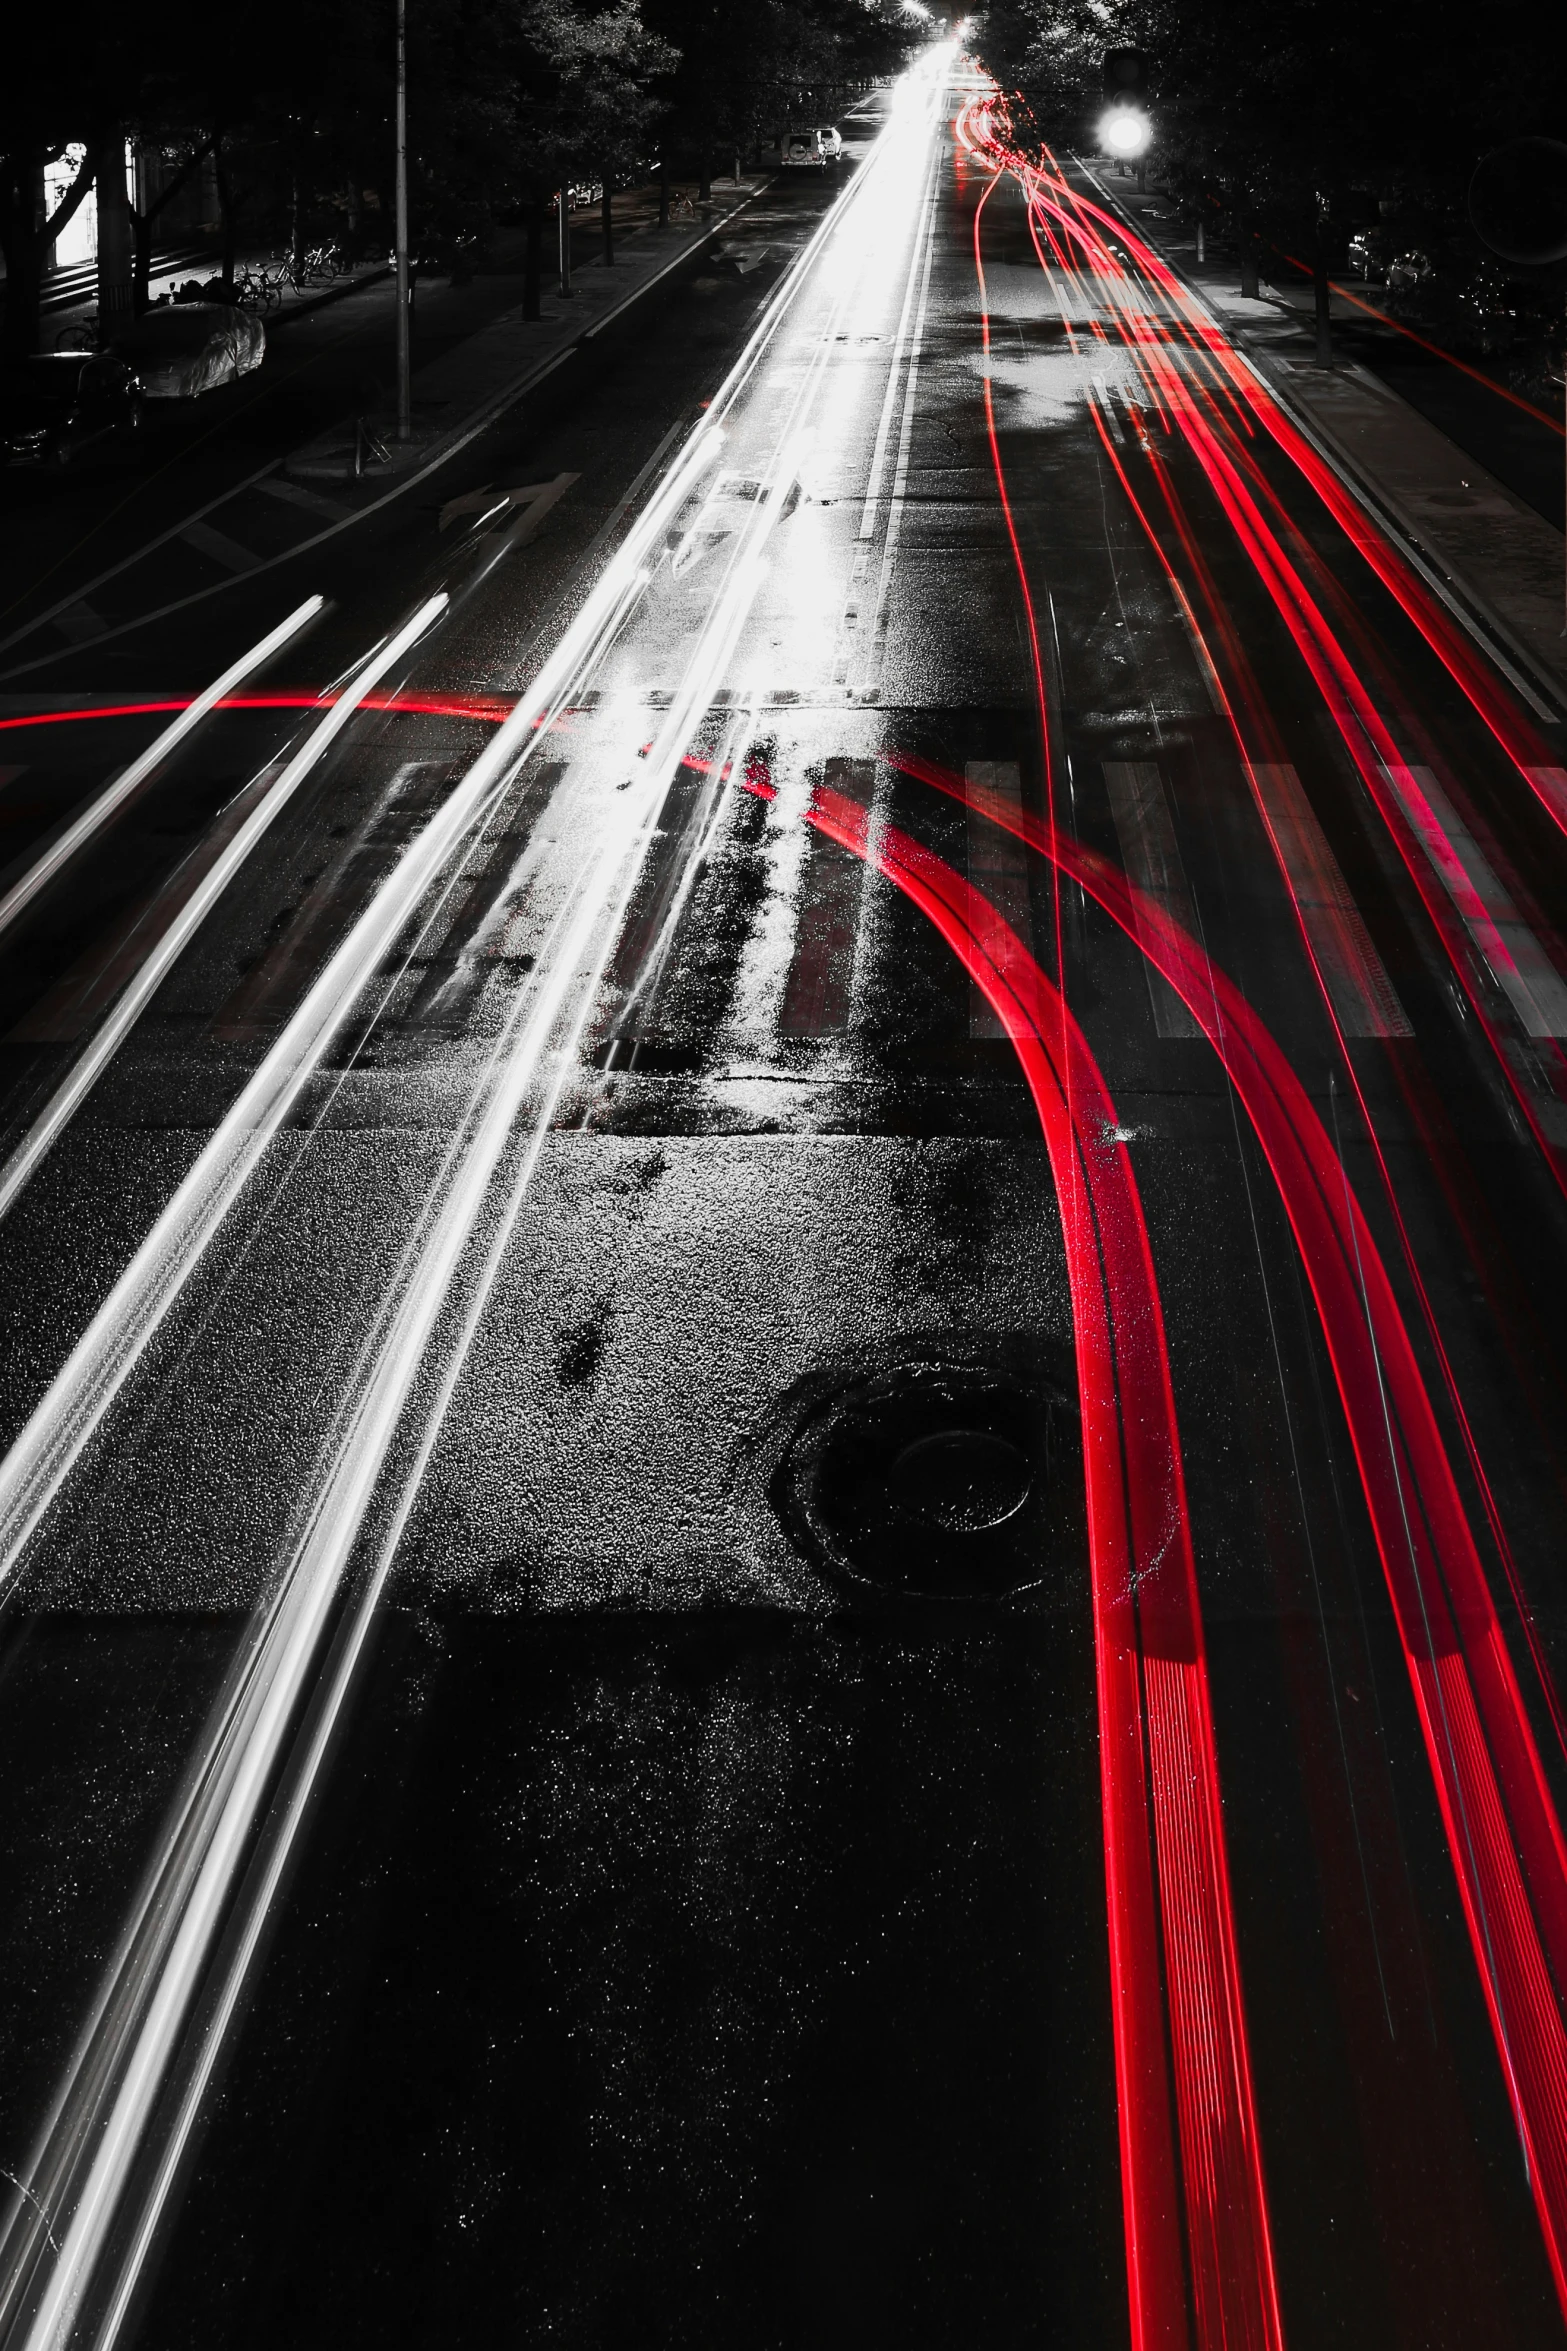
[783,1250]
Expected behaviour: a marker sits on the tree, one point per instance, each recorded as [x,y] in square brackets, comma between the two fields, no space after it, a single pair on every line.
[64,86]
[1288,126]
[745,73]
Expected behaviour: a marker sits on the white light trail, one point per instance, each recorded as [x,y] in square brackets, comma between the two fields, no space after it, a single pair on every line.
[60,852]
[153,970]
[84,2167]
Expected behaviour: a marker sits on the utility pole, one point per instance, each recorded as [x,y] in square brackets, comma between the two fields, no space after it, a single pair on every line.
[404,378]
[116,280]
[564,203]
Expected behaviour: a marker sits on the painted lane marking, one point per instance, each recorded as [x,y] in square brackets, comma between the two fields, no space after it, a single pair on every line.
[997,865]
[1352,970]
[220,547]
[1152,857]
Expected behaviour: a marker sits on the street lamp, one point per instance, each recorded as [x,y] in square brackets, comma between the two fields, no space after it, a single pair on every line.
[404,377]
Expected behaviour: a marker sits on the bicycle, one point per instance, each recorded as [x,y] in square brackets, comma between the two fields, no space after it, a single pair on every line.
[257,289]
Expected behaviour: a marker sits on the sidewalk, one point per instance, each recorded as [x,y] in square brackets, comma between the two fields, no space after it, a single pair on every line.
[457,395]
[486,362]
[1487,547]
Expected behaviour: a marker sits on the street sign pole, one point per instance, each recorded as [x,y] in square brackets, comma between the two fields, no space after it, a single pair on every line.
[564,202]
[404,379]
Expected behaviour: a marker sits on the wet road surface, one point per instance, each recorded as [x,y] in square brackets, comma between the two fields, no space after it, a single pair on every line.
[785,1504]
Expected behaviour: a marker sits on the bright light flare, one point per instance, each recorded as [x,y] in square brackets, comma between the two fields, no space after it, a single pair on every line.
[1126,133]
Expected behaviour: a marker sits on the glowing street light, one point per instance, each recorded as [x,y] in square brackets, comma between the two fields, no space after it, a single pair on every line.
[1126,133]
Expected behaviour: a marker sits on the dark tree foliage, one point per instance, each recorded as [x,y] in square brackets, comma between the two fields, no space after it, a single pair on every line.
[1289,126]
[67,80]
[292,102]
[748,72]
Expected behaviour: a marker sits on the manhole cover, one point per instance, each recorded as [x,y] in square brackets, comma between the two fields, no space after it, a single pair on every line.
[936,1477]
[963,1480]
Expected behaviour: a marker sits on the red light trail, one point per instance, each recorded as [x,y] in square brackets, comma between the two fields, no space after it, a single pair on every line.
[488,707]
[1503,1834]
[1199,2253]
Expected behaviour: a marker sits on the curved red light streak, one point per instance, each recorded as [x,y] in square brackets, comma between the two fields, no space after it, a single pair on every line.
[1503,1833]
[1504,1836]
[1258,719]
[1199,2255]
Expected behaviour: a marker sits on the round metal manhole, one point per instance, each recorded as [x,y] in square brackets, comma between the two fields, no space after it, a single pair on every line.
[937,1478]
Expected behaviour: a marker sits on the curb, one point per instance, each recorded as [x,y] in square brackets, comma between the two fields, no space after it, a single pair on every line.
[299,467]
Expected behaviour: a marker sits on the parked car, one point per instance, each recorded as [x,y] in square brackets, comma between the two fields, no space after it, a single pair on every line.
[1409,271]
[59,402]
[1368,250]
[810,150]
[189,347]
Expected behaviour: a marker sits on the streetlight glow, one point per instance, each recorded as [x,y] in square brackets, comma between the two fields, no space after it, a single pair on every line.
[1126,133]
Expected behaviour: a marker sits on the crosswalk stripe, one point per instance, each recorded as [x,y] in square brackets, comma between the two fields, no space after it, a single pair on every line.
[819,992]
[1551,784]
[1515,957]
[1152,857]
[998,868]
[1363,995]
[219,546]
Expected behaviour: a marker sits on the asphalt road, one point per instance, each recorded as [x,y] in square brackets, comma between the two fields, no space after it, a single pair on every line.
[684,1482]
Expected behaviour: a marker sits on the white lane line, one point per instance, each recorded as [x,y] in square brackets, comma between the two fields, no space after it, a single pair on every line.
[1152,857]
[998,868]
[868,511]
[85,1072]
[96,2134]
[220,547]
[60,614]
[60,851]
[1518,962]
[876,636]
[1356,978]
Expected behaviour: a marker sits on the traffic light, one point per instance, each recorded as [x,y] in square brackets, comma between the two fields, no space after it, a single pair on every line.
[1126,77]
[1125,130]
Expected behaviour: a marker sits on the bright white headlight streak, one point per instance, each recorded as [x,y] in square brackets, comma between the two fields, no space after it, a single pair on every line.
[79,2175]
[108,1351]
[60,852]
[156,965]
